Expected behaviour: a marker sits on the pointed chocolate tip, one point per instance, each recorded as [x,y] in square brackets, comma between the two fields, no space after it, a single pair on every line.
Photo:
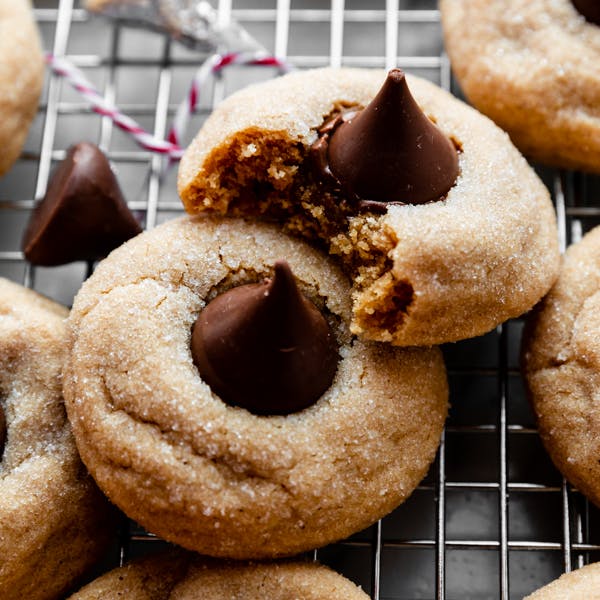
[83,215]
[396,75]
[590,9]
[282,286]
[391,151]
[265,347]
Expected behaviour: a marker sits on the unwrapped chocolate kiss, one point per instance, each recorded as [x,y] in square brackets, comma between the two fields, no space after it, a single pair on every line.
[83,215]
[265,347]
[391,151]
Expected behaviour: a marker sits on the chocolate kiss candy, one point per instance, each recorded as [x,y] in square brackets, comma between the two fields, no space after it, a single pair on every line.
[2,431]
[590,9]
[83,215]
[265,347]
[391,152]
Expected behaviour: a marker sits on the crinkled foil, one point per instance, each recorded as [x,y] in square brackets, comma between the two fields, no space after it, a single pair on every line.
[195,23]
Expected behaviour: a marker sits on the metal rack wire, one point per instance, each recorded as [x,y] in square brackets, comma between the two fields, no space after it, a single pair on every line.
[493,519]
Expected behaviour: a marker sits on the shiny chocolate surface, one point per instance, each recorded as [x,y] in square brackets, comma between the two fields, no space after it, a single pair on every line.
[390,152]
[83,215]
[265,346]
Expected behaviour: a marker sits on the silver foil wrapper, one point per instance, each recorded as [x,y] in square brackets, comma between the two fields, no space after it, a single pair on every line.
[195,23]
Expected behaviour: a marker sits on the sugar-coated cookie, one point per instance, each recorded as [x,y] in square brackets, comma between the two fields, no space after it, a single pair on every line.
[180,576]
[439,261]
[576,585]
[21,75]
[218,478]
[532,66]
[561,360]
[54,523]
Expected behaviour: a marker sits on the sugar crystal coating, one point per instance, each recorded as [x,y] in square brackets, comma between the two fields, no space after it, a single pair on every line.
[421,274]
[186,576]
[575,585]
[539,61]
[590,9]
[561,366]
[21,77]
[54,523]
[216,478]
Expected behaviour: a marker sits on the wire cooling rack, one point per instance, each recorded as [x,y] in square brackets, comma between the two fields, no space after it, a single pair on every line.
[493,519]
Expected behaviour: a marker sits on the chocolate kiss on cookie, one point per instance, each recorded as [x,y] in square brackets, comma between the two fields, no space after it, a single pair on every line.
[391,152]
[265,347]
[83,215]
[590,9]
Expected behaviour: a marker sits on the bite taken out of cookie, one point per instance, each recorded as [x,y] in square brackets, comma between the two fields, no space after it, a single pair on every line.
[443,228]
[219,399]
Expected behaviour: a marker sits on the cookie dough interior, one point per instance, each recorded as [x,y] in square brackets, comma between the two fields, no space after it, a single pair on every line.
[269,174]
[422,274]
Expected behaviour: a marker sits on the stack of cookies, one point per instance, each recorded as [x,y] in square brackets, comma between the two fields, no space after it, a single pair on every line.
[261,377]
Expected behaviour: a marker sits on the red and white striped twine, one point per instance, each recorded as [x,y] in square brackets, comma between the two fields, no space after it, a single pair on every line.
[170,147]
[213,65]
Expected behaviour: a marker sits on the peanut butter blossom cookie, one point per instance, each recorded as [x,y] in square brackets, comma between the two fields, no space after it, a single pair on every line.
[54,523]
[576,585]
[562,367]
[219,398]
[532,66]
[443,228]
[21,75]
[185,577]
